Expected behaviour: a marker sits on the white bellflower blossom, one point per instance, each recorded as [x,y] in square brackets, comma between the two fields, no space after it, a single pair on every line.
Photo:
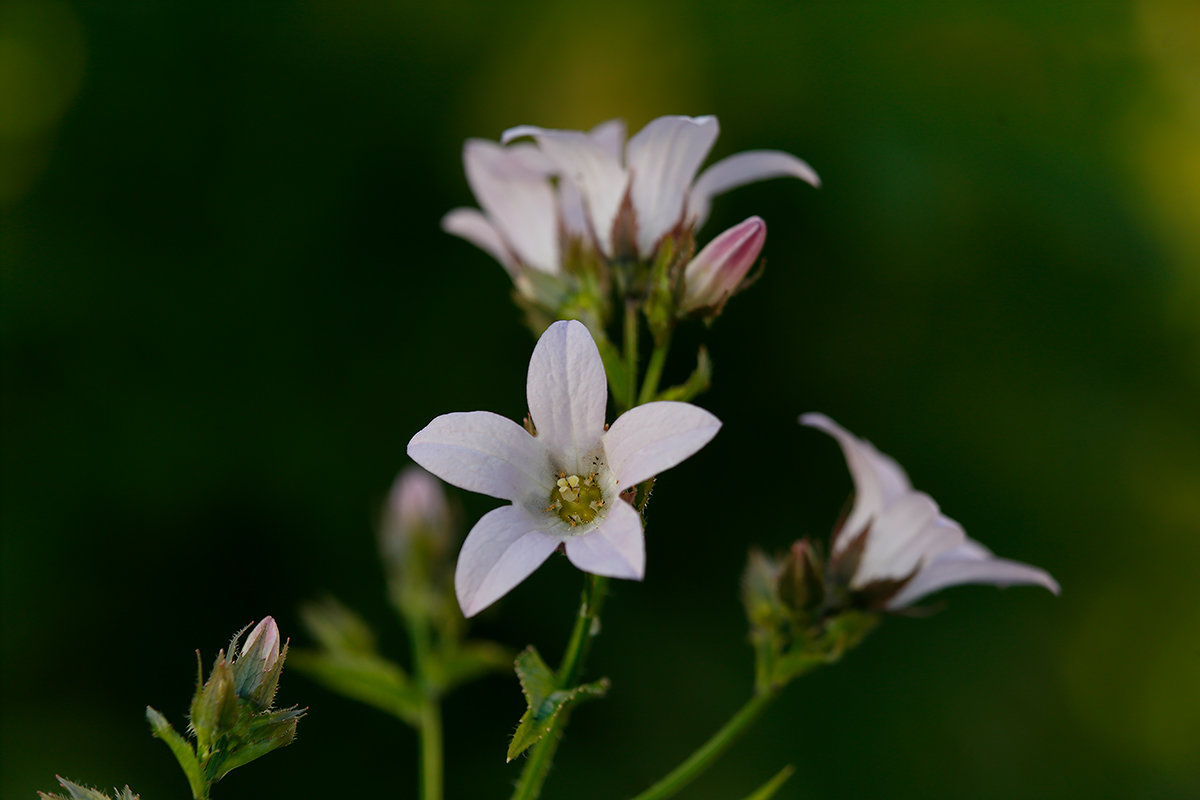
[900,539]
[564,482]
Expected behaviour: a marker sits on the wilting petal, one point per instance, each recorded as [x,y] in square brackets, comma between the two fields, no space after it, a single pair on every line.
[615,548]
[503,549]
[469,224]
[663,158]
[970,562]
[654,437]
[908,533]
[740,169]
[878,480]
[484,452]
[518,199]
[567,392]
[598,174]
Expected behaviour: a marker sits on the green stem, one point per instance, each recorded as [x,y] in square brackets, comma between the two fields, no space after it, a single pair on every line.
[654,369]
[631,350]
[430,728]
[533,775]
[703,758]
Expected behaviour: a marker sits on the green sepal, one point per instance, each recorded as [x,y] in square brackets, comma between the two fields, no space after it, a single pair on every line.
[77,792]
[181,749]
[366,677]
[768,789]
[545,699]
[264,733]
[469,661]
[840,634]
[697,383]
[214,706]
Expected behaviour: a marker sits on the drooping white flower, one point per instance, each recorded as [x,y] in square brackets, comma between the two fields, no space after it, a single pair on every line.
[900,536]
[564,483]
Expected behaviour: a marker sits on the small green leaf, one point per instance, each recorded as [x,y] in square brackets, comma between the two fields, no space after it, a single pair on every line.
[181,749]
[545,700]
[768,789]
[470,661]
[697,383]
[336,627]
[365,677]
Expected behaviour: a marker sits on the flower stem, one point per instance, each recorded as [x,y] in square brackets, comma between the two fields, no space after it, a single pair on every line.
[430,728]
[654,368]
[703,758]
[538,765]
[631,349]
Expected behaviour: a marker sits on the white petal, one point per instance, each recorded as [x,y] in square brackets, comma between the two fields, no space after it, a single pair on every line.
[910,532]
[503,549]
[567,392]
[470,224]
[486,453]
[662,159]
[878,480]
[598,174]
[970,563]
[615,548]
[740,169]
[654,437]
[574,214]
[611,136]
[518,199]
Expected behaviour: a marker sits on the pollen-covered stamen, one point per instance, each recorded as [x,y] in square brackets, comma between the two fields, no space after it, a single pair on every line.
[576,500]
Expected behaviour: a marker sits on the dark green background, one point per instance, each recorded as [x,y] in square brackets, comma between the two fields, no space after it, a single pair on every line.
[227,305]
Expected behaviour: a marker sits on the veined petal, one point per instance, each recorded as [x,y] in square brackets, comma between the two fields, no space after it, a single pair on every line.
[970,562]
[909,533]
[878,480]
[567,392]
[518,199]
[663,158]
[615,548]
[597,172]
[740,169]
[503,549]
[654,437]
[472,225]
[486,453]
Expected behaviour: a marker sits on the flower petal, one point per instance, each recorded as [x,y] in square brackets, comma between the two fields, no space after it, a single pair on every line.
[878,480]
[970,562]
[518,199]
[503,549]
[611,136]
[486,453]
[654,437]
[740,169]
[476,228]
[663,158]
[567,392]
[907,534]
[597,172]
[615,548]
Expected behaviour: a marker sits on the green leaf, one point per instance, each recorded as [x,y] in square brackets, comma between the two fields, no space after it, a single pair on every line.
[697,382]
[181,749]
[768,789]
[617,371]
[336,627]
[539,686]
[366,677]
[470,661]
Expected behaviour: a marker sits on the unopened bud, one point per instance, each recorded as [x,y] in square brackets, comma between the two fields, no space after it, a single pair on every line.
[268,648]
[416,516]
[801,584]
[256,670]
[718,270]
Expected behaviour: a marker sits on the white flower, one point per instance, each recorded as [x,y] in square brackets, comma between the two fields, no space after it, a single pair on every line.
[619,195]
[565,482]
[903,537]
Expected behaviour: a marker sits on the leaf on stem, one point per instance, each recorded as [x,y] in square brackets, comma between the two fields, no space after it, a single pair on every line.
[768,789]
[470,661]
[697,383]
[545,699]
[366,677]
[181,749]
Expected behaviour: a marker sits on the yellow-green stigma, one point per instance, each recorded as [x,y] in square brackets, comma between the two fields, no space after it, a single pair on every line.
[576,500]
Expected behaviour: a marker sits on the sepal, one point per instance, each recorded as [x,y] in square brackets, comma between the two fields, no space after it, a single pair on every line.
[77,792]
[545,700]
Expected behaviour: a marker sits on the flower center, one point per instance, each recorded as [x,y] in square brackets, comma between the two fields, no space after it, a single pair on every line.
[575,500]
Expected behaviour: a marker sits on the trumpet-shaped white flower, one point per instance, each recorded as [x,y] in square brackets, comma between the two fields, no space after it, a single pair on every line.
[901,536]
[565,482]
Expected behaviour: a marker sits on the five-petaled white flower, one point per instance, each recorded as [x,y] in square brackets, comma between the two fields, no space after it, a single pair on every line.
[623,197]
[902,540]
[565,482]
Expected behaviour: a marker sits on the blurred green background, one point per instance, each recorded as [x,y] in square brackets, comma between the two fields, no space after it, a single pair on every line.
[227,305]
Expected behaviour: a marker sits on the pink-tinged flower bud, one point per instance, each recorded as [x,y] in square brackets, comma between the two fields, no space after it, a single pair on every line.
[717,270]
[416,510]
[268,650]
